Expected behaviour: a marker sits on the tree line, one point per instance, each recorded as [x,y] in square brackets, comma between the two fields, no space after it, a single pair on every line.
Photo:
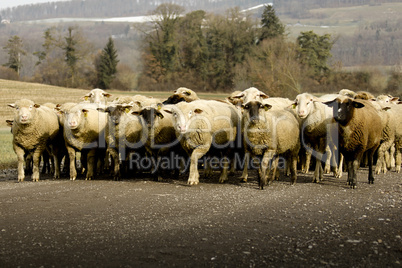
[199,50]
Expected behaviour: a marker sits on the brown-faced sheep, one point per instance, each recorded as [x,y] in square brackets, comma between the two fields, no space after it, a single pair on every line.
[360,130]
[34,128]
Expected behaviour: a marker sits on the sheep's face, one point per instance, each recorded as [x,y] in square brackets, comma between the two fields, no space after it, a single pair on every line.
[151,116]
[248,95]
[343,110]
[181,94]
[187,119]
[255,109]
[97,96]
[74,118]
[25,111]
[303,104]
[115,112]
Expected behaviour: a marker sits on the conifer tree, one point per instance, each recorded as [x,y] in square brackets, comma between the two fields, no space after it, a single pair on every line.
[15,50]
[271,25]
[106,67]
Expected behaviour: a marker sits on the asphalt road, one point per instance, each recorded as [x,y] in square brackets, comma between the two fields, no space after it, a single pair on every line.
[142,223]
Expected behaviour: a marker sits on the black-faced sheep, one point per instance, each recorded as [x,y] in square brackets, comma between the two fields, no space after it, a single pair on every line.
[268,132]
[182,94]
[360,130]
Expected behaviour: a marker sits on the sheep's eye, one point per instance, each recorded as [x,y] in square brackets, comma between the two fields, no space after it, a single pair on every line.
[247,106]
[30,107]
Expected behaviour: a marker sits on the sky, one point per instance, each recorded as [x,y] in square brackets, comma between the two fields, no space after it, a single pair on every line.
[14,3]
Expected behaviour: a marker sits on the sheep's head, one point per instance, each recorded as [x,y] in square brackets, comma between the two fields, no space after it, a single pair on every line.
[185,117]
[75,117]
[182,94]
[343,109]
[151,115]
[304,104]
[255,109]
[248,95]
[96,95]
[25,111]
[115,111]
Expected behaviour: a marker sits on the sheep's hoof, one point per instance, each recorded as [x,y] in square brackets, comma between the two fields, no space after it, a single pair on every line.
[192,182]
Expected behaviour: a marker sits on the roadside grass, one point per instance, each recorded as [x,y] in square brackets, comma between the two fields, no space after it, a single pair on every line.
[39,93]
[8,158]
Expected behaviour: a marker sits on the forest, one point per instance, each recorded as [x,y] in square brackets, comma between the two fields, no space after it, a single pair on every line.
[207,50]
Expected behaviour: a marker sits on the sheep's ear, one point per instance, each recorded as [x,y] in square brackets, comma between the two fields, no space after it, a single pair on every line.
[107,95]
[36,105]
[263,95]
[294,104]
[12,105]
[267,107]
[168,111]
[394,99]
[85,111]
[135,112]
[386,108]
[159,114]
[101,110]
[159,106]
[331,103]
[188,93]
[10,123]
[198,111]
[357,104]
[238,96]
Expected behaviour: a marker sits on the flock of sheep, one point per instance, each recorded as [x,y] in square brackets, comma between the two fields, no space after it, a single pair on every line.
[247,125]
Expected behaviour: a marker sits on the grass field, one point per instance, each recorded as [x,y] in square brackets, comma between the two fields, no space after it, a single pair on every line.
[345,21]
[13,90]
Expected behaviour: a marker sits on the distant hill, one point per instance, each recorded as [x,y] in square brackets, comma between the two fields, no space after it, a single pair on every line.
[297,9]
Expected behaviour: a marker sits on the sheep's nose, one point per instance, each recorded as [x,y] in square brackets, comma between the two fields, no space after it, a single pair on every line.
[24,117]
[182,129]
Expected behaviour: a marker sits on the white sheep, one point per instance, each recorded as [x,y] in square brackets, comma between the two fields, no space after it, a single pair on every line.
[204,124]
[34,128]
[268,132]
[395,112]
[84,130]
[317,130]
[357,134]
[97,95]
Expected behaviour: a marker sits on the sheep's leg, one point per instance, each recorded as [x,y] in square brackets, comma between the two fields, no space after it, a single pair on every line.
[339,172]
[328,152]
[293,169]
[370,163]
[392,157]
[263,176]
[273,169]
[115,160]
[71,156]
[306,167]
[244,175]
[207,168]
[355,164]
[21,160]
[194,176]
[349,167]
[225,170]
[90,164]
[36,159]
[318,171]
[398,159]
